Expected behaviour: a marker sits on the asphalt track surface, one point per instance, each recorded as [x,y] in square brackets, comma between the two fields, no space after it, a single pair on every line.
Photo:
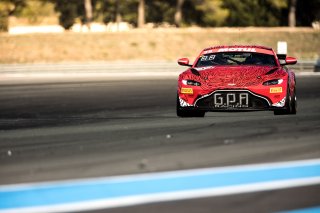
[77,129]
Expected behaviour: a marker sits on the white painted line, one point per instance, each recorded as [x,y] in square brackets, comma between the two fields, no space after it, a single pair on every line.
[167,197]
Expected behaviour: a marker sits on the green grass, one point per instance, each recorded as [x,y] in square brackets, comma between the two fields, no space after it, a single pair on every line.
[158,44]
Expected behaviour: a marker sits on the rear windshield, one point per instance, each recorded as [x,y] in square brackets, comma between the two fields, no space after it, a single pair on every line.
[235,58]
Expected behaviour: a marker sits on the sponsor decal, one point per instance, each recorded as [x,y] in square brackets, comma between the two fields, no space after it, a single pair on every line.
[207,51]
[237,49]
[276,90]
[186,90]
[203,68]
[231,100]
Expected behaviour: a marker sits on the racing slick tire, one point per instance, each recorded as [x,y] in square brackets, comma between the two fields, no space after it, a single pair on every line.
[188,113]
[294,103]
[291,106]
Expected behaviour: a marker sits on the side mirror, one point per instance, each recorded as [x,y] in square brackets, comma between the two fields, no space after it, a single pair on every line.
[184,62]
[288,61]
[291,60]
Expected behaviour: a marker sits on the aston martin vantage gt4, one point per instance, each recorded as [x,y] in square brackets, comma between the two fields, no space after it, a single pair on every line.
[237,78]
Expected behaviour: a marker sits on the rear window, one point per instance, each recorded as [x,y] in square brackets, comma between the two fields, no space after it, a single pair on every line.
[235,58]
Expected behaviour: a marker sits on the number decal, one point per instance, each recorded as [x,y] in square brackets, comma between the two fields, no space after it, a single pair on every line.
[207,57]
[204,58]
[211,57]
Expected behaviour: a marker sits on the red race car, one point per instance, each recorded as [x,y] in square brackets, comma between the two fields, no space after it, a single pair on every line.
[236,78]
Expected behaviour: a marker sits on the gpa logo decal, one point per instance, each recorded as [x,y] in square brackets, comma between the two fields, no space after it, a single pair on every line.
[186,90]
[276,90]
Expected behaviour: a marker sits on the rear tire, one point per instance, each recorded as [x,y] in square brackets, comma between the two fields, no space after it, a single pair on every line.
[182,113]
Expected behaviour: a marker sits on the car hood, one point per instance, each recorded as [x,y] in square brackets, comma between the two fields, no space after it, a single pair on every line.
[232,76]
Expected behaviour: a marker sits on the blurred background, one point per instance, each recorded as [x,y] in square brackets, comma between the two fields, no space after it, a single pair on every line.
[88,90]
[91,30]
